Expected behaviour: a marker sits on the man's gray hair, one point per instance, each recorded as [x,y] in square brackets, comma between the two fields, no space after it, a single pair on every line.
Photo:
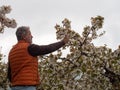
[21,31]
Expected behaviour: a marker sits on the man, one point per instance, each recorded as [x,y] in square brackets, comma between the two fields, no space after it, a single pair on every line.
[22,60]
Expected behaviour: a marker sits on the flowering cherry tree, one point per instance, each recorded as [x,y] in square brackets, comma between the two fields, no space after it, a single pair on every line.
[86,66]
[9,23]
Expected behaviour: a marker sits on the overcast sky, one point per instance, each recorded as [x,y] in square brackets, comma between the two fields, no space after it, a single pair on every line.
[42,15]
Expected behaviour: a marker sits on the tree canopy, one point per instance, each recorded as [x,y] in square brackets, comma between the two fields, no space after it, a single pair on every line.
[5,22]
[86,66]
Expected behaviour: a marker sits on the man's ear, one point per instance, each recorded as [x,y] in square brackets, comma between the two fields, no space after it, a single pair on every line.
[23,37]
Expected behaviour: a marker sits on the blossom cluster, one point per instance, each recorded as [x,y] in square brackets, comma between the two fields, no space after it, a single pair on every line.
[5,21]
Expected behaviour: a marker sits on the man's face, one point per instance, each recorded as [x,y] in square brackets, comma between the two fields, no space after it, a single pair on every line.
[28,37]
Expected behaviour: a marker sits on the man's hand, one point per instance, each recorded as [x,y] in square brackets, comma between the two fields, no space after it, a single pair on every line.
[66,39]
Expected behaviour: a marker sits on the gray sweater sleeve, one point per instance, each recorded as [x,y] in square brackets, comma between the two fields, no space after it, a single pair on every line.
[36,50]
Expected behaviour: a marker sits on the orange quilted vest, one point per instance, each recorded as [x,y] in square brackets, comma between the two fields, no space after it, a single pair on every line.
[24,67]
